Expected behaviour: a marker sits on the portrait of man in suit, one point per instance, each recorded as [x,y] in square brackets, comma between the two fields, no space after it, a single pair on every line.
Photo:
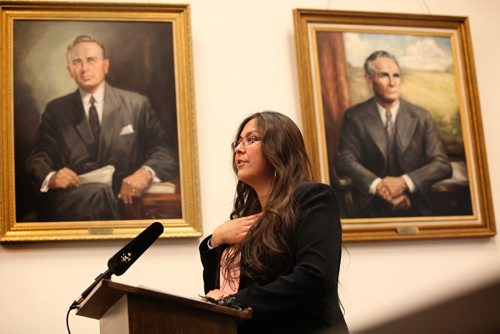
[389,147]
[95,127]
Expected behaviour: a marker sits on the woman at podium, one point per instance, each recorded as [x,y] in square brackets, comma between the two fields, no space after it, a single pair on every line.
[280,252]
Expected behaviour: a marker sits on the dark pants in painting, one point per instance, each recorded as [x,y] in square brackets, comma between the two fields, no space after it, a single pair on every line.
[91,201]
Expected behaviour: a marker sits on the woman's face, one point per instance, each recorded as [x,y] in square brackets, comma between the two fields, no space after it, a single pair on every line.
[251,164]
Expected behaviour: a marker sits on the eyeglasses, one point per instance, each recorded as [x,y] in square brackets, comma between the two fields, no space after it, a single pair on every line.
[246,141]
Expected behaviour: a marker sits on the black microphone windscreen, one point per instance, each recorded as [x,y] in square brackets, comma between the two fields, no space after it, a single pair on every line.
[126,256]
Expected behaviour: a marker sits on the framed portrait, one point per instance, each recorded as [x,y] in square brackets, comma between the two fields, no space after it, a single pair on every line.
[391,119]
[64,177]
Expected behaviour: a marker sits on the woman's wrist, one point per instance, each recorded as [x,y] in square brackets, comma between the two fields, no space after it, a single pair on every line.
[214,242]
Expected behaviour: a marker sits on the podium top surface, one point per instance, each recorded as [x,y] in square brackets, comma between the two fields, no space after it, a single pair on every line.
[107,293]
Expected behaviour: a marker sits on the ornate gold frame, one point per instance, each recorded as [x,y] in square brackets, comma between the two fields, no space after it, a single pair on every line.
[189,224]
[316,118]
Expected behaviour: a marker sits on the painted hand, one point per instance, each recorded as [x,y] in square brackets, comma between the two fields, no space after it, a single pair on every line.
[134,185]
[64,178]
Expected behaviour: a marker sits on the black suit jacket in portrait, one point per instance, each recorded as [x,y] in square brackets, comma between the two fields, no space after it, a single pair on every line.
[363,151]
[131,136]
[305,299]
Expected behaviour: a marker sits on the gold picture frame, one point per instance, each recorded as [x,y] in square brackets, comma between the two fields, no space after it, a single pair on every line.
[331,48]
[149,47]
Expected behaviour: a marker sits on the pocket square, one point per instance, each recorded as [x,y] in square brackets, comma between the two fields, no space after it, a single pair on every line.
[126,130]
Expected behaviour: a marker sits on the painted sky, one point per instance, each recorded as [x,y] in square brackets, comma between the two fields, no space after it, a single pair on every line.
[411,51]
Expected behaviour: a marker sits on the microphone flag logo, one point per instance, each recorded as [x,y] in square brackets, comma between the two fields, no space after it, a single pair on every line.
[126,257]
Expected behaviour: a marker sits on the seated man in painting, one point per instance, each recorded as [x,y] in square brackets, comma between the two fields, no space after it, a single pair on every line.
[389,148]
[93,127]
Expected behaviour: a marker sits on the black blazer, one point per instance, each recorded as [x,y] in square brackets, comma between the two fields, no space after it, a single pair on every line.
[305,299]
[131,136]
[362,154]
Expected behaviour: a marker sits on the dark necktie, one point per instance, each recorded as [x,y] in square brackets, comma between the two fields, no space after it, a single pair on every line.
[94,119]
[389,126]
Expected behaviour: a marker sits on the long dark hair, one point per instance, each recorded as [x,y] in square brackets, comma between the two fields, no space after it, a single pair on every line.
[265,251]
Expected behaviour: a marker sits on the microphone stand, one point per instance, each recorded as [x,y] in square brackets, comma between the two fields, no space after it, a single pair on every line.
[105,275]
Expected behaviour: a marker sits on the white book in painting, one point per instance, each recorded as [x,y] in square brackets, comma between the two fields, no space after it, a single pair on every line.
[161,188]
[100,175]
[105,175]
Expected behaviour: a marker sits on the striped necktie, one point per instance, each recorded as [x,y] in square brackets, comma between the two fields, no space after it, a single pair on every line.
[389,126]
[94,119]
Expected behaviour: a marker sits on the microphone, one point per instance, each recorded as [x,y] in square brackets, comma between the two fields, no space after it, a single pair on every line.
[125,257]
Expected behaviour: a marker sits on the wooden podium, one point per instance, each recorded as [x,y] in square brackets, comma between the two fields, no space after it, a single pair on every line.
[123,309]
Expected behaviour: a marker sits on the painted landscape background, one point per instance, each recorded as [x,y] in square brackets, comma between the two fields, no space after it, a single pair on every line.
[428,76]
